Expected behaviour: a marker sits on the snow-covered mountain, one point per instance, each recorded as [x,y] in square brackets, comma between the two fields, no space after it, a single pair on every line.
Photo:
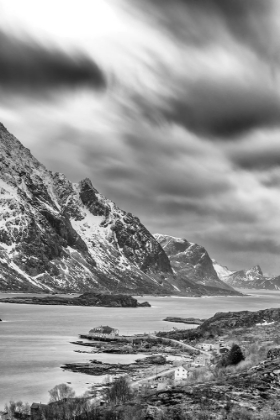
[55,235]
[192,261]
[61,236]
[247,279]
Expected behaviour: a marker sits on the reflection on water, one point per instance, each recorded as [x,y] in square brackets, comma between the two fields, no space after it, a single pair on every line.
[35,340]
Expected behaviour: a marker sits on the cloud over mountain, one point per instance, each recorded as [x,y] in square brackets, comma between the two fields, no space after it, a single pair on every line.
[186,132]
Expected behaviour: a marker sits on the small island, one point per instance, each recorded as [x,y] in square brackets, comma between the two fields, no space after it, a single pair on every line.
[86,299]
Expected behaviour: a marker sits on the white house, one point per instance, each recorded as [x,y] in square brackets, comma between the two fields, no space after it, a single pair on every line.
[180,373]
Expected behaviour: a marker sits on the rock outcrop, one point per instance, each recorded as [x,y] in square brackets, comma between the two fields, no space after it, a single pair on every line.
[273,353]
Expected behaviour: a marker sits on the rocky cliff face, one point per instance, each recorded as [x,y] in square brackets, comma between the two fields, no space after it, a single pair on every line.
[55,235]
[191,261]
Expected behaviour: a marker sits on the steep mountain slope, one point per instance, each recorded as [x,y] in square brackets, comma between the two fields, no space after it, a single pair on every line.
[191,261]
[222,271]
[61,236]
[55,235]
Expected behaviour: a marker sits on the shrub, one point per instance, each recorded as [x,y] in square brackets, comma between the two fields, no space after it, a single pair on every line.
[120,391]
[233,357]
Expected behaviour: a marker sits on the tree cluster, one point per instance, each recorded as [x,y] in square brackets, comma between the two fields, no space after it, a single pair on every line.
[233,357]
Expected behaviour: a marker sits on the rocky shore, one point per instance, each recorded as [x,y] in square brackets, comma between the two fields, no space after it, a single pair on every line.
[86,299]
[97,368]
[223,322]
[184,320]
[124,345]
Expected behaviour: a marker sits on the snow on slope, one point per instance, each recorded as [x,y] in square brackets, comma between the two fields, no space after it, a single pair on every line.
[222,271]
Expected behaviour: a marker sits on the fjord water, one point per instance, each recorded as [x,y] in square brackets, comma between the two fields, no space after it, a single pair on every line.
[35,340]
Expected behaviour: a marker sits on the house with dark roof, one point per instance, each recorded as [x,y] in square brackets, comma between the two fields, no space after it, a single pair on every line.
[104,331]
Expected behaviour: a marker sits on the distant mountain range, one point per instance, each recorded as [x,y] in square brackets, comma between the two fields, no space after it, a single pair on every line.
[247,279]
[61,236]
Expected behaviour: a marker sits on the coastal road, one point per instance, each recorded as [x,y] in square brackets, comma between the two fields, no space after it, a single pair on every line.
[184,345]
[148,378]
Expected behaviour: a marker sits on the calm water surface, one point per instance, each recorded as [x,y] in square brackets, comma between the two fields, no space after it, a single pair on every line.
[35,340]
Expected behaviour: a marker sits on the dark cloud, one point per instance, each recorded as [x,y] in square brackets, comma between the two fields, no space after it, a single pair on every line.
[255,155]
[220,209]
[237,252]
[155,145]
[232,57]
[224,109]
[198,21]
[26,66]
[252,245]
[271,179]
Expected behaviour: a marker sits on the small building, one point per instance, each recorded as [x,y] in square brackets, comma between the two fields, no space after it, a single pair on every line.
[201,360]
[180,373]
[206,346]
[104,331]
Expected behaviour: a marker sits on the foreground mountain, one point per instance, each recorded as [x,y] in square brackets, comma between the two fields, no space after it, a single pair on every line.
[55,235]
[247,279]
[192,261]
[61,236]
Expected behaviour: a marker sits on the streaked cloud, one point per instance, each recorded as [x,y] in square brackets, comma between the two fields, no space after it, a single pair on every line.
[171,108]
[30,68]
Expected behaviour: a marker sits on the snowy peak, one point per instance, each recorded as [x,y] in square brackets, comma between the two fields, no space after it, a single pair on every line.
[222,271]
[254,273]
[251,279]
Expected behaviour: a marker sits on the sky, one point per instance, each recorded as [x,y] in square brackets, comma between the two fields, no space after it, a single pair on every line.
[171,108]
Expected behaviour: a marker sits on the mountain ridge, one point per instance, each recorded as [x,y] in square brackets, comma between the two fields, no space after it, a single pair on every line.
[252,278]
[56,235]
